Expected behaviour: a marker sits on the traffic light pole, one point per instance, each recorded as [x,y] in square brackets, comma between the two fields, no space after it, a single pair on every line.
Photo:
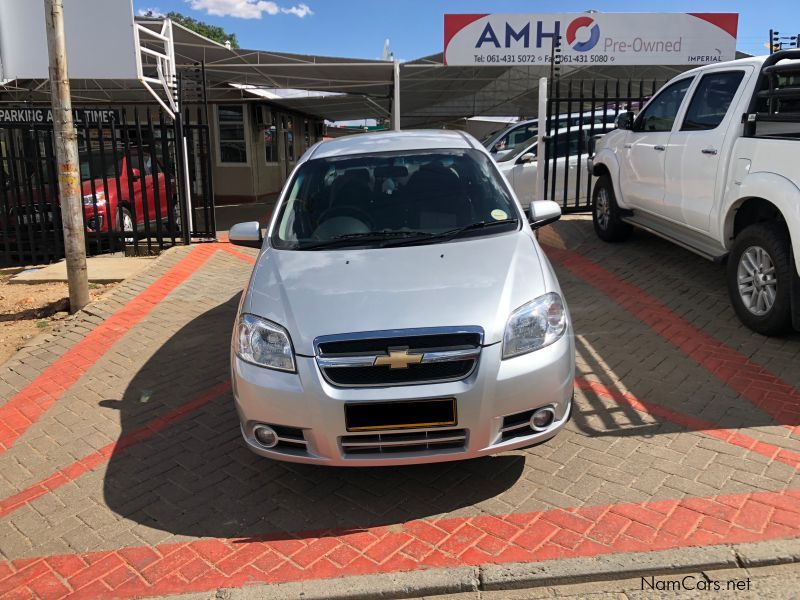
[66,146]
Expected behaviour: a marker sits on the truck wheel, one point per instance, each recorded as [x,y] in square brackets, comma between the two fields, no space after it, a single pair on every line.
[605,213]
[760,271]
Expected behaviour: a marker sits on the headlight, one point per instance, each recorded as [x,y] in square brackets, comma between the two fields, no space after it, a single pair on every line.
[263,343]
[534,325]
[88,199]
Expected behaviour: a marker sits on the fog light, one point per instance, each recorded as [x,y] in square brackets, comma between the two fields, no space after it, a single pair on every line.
[542,418]
[266,436]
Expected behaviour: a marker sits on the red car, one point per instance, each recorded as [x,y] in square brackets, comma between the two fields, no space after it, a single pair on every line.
[122,202]
[130,200]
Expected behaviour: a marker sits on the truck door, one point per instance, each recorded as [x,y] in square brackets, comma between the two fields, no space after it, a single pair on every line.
[698,149]
[645,147]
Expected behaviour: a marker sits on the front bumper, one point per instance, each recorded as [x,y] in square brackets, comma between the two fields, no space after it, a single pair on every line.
[496,389]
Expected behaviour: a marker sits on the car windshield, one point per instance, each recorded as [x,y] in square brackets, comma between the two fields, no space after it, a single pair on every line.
[395,198]
[99,164]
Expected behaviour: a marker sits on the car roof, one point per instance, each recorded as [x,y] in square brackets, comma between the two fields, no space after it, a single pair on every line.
[392,141]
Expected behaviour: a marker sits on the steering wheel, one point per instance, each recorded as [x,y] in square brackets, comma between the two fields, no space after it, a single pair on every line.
[346,211]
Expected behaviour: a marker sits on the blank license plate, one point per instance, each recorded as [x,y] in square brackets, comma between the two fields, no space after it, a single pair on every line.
[400,414]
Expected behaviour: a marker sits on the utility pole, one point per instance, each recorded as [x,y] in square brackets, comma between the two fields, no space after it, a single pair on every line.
[66,142]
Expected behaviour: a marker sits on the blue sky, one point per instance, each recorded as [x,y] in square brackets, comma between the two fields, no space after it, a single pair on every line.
[357,28]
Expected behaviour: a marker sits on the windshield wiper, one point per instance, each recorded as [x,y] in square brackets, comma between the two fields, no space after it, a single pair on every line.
[355,239]
[450,233]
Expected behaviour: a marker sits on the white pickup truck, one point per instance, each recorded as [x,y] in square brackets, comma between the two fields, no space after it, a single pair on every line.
[712,163]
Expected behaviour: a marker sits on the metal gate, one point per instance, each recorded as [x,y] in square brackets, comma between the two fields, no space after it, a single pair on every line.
[133,179]
[578,113]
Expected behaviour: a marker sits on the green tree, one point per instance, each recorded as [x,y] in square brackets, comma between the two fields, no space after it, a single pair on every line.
[212,32]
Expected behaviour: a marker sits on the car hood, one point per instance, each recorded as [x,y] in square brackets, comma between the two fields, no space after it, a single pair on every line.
[477,281]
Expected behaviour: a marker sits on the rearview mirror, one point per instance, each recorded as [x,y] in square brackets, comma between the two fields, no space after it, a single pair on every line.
[543,212]
[625,120]
[135,174]
[527,157]
[246,234]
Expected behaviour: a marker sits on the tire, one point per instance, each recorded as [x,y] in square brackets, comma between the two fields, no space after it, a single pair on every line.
[605,213]
[763,251]
[125,223]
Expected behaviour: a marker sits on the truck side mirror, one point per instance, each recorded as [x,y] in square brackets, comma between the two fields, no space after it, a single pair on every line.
[625,120]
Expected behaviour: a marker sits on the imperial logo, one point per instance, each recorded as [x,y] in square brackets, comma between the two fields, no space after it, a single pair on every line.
[580,23]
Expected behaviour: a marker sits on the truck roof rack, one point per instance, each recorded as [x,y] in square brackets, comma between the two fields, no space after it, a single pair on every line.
[777,94]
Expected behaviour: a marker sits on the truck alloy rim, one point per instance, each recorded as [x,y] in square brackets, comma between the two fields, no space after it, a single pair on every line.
[603,209]
[758,286]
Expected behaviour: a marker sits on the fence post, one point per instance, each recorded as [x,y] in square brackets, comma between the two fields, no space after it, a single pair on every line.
[66,142]
[541,124]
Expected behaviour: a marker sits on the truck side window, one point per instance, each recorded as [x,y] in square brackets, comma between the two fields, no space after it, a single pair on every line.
[711,100]
[661,112]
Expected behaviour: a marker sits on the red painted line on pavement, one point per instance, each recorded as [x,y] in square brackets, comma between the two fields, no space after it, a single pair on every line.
[691,423]
[765,390]
[207,564]
[27,406]
[98,457]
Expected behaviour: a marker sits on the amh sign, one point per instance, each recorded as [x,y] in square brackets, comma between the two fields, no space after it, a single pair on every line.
[590,38]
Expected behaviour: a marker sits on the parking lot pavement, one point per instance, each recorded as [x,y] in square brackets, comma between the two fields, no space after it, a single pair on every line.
[122,472]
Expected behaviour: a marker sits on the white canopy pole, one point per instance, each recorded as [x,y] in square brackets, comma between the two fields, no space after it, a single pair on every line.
[540,130]
[396,99]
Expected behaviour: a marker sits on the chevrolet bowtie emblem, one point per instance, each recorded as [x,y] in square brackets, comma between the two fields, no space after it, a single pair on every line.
[398,359]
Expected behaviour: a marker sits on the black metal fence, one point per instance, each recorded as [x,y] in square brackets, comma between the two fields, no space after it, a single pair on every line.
[578,113]
[133,182]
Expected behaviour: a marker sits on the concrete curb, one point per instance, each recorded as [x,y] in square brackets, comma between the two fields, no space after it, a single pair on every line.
[491,577]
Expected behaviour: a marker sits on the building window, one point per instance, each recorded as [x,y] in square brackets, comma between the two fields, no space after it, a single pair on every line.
[271,138]
[232,140]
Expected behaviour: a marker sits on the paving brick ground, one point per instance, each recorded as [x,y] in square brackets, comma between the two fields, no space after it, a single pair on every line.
[122,473]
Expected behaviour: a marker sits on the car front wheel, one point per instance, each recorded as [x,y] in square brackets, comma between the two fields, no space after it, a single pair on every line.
[759,274]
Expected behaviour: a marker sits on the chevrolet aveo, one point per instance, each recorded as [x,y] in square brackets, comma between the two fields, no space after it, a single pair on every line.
[400,310]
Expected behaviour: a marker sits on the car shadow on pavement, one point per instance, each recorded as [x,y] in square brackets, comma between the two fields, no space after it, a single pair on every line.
[196,477]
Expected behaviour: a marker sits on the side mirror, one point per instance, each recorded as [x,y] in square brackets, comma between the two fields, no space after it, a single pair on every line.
[543,212]
[528,157]
[135,174]
[246,234]
[625,120]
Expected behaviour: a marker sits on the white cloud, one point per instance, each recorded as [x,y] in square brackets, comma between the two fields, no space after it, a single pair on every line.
[301,10]
[150,12]
[247,9]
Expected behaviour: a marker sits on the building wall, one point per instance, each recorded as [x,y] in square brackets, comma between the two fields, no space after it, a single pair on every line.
[273,141]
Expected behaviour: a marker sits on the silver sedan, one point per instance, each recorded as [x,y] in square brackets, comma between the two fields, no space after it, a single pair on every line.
[400,310]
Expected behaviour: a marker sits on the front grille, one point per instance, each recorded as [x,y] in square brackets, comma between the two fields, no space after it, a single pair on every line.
[418,343]
[441,354]
[418,441]
[371,376]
